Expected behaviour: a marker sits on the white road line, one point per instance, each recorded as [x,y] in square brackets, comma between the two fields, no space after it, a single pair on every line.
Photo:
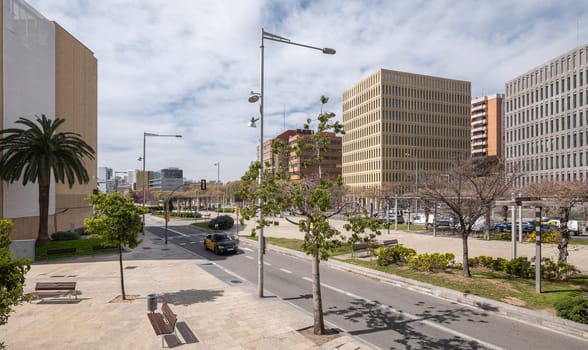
[286,271]
[178,232]
[249,257]
[246,249]
[183,243]
[193,242]
[412,317]
[267,264]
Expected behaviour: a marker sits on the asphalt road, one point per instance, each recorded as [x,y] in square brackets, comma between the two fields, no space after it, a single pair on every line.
[384,315]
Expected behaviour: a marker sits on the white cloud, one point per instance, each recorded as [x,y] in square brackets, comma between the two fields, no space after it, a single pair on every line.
[187,66]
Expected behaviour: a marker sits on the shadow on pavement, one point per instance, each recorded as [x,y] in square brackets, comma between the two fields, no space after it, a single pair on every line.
[190,296]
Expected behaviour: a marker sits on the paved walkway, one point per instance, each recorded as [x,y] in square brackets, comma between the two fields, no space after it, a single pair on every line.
[219,315]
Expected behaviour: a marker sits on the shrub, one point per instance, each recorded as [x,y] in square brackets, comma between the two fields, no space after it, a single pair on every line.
[498,264]
[430,262]
[482,260]
[546,237]
[224,222]
[65,236]
[394,255]
[557,271]
[575,309]
[519,267]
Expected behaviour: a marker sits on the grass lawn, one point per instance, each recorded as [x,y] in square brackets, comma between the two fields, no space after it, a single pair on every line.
[485,283]
[84,247]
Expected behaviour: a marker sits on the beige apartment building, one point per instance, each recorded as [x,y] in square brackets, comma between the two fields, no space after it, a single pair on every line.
[486,121]
[402,127]
[45,70]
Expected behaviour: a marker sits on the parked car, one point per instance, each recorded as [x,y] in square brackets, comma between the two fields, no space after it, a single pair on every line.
[221,243]
[391,219]
[443,223]
[528,226]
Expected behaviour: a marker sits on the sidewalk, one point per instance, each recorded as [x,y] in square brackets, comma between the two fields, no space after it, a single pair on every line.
[220,315]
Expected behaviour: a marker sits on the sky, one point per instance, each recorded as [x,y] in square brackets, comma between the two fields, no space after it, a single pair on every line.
[188,66]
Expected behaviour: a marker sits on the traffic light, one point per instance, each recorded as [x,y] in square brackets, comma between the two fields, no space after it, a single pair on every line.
[203,185]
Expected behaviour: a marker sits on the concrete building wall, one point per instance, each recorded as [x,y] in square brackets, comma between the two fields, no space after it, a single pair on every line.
[546,120]
[46,71]
[400,127]
[28,90]
[76,89]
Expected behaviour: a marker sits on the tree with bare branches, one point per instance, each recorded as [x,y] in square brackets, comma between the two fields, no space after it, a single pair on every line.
[560,197]
[468,193]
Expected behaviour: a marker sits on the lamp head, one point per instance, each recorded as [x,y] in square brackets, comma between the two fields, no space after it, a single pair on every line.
[329,51]
[254,97]
[251,123]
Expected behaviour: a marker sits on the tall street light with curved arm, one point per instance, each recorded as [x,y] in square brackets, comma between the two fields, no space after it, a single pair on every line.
[254,97]
[145,135]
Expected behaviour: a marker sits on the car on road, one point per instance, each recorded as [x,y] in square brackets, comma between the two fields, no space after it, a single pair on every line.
[220,242]
[391,219]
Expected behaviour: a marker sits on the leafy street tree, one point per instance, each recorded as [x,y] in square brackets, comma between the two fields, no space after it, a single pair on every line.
[12,274]
[561,196]
[117,220]
[313,198]
[469,192]
[38,151]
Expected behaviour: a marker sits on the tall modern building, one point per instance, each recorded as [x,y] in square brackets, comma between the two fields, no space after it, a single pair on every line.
[45,70]
[486,121]
[400,127]
[546,121]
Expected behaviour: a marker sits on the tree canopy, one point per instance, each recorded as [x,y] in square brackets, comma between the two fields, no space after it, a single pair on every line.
[38,151]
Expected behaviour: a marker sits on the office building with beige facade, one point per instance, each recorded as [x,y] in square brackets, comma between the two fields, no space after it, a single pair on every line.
[45,70]
[486,141]
[546,120]
[401,127]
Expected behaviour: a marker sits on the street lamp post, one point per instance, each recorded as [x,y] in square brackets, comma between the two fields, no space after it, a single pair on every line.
[145,134]
[254,97]
[217,165]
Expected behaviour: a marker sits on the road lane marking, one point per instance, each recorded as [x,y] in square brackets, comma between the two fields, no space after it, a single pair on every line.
[183,243]
[193,242]
[249,257]
[246,249]
[286,271]
[178,232]
[267,264]
[411,316]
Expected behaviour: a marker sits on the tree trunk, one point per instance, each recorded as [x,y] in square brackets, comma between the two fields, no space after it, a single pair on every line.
[487,219]
[122,276]
[317,301]
[466,264]
[43,235]
[562,245]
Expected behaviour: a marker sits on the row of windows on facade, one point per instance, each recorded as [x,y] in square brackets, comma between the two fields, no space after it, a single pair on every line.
[565,63]
[553,106]
[408,140]
[536,178]
[403,106]
[538,112]
[548,145]
[393,95]
[407,122]
[567,161]
[551,90]
[554,125]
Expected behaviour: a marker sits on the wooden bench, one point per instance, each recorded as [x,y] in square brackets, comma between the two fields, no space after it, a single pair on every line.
[365,246]
[389,242]
[55,289]
[61,251]
[163,323]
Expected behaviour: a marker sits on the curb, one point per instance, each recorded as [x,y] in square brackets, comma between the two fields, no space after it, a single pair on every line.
[553,323]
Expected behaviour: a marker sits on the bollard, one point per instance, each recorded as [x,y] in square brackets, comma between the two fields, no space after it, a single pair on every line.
[151,302]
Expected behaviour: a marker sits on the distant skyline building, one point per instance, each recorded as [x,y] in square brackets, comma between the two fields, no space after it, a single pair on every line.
[486,137]
[400,127]
[167,179]
[45,70]
[546,121]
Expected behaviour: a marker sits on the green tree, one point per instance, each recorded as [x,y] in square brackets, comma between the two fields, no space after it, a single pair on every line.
[117,220]
[36,152]
[12,274]
[313,198]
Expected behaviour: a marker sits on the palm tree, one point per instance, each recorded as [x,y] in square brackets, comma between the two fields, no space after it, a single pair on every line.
[34,153]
